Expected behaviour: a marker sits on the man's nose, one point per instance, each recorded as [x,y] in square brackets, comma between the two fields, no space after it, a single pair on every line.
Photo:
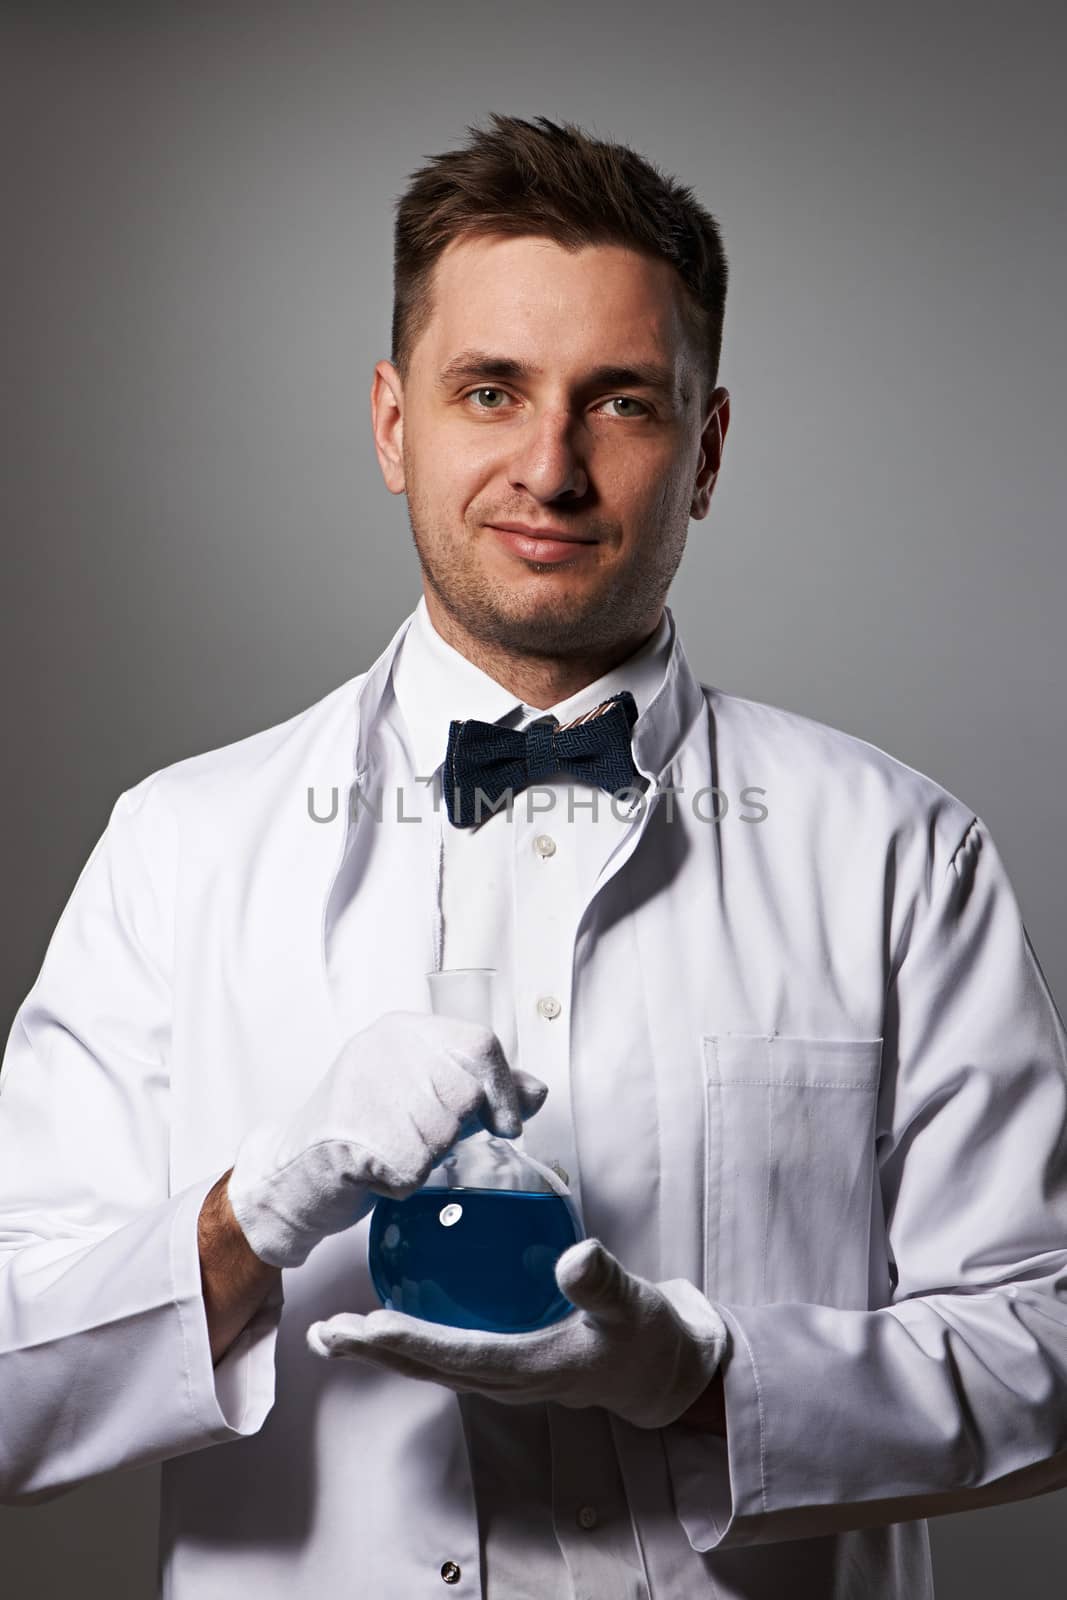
[548,462]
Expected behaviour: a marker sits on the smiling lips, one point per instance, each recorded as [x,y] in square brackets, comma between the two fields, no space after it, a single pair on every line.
[540,544]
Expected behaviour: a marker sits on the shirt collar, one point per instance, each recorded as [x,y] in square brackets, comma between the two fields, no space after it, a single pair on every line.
[433,683]
[665,724]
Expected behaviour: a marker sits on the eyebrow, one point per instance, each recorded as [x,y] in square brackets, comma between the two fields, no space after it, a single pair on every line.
[470,364]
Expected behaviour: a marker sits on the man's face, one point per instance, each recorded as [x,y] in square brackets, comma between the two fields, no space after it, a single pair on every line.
[510,414]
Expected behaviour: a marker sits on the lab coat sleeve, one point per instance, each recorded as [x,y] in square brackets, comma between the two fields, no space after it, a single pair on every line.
[104,1354]
[954,1395]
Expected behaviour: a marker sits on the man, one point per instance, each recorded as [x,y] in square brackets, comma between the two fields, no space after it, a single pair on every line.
[768,1003]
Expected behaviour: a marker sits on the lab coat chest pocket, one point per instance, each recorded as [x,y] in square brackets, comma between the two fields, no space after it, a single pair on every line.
[790,1131]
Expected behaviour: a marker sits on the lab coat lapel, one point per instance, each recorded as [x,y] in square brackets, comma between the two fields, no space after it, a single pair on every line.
[642,967]
[378,962]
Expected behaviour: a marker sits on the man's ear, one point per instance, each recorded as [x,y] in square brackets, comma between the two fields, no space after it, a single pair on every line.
[712,440]
[387,421]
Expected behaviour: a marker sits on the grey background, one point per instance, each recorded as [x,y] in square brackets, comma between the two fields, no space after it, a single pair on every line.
[197,541]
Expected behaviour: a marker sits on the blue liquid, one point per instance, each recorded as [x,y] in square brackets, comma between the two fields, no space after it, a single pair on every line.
[473,1258]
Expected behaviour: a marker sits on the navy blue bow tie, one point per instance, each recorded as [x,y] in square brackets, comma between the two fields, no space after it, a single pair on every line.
[483,756]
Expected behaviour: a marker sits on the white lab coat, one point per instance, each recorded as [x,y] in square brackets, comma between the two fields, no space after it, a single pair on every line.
[816,1069]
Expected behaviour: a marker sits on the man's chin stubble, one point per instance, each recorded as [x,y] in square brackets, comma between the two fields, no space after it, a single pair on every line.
[555,625]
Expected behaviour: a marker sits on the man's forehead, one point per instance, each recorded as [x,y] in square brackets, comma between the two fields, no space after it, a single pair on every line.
[623,329]
[499,267]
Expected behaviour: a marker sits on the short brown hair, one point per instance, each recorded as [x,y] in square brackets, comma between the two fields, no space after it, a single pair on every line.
[552,179]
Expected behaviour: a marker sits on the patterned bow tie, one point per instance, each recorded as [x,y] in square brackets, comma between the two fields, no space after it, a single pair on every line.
[483,756]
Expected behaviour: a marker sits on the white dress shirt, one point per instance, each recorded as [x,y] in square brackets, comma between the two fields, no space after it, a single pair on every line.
[809,1062]
[552,1508]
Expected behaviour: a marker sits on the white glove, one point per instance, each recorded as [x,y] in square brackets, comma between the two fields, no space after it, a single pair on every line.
[643,1350]
[397,1098]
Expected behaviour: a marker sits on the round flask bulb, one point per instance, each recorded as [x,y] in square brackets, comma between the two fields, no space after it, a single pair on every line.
[476,1246]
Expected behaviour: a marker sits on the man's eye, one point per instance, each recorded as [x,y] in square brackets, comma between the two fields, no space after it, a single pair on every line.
[486,389]
[480,393]
[627,400]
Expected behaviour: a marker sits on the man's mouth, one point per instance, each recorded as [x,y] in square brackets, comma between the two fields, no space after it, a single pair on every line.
[540,544]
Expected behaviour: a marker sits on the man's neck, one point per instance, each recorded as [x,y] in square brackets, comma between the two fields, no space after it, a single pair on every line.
[539,681]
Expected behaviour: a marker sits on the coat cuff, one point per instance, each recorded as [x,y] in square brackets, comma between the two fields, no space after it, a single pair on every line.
[230,1400]
[716,1480]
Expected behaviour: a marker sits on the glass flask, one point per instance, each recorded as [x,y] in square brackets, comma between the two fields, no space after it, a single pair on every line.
[477,1245]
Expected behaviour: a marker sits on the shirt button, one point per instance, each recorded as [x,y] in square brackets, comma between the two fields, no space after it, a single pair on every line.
[548,1006]
[587,1517]
[545,845]
[450,1572]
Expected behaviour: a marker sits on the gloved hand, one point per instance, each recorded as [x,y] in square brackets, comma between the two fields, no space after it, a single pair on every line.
[643,1350]
[398,1096]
